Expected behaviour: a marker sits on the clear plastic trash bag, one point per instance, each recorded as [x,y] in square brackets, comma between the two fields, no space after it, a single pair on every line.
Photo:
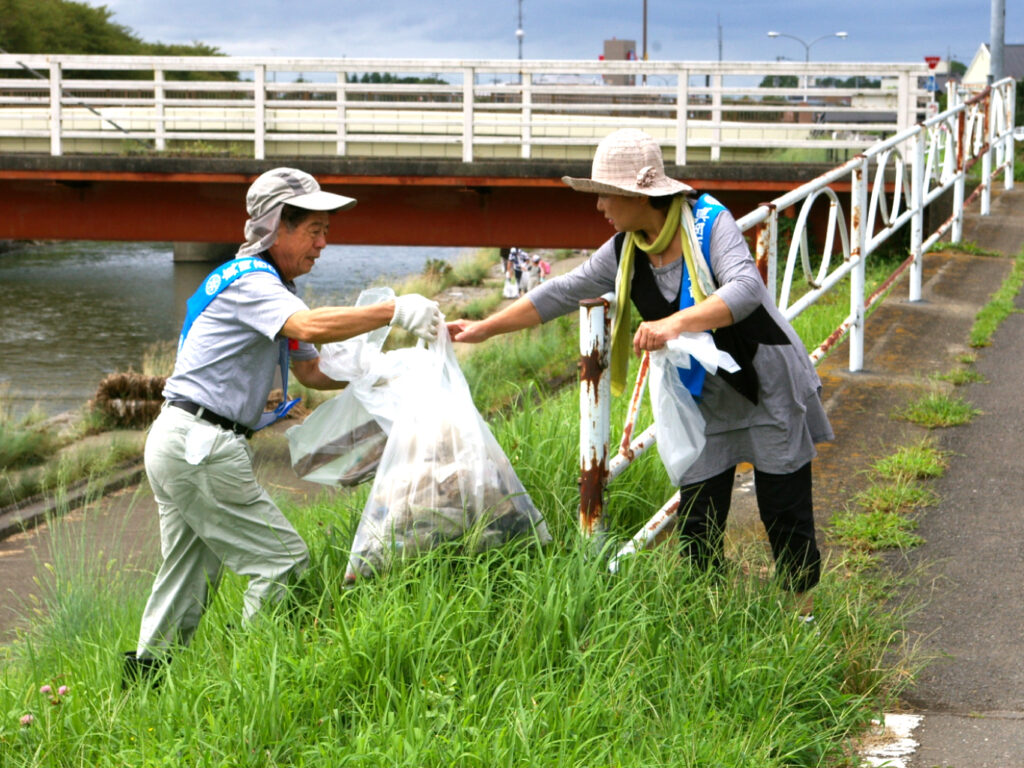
[342,440]
[443,476]
[678,423]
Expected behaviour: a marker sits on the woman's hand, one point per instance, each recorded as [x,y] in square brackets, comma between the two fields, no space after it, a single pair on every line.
[468,331]
[709,314]
[653,334]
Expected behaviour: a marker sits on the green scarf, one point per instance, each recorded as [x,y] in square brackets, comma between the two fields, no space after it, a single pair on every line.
[680,218]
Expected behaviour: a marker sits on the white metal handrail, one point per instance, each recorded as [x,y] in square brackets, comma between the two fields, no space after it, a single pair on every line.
[911,170]
[698,110]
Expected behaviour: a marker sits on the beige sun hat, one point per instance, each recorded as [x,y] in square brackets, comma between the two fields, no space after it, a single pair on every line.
[628,162]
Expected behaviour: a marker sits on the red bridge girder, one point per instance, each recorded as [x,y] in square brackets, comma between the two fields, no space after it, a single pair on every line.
[191,200]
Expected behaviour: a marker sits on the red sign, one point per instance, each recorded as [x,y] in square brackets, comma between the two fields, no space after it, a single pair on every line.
[932,61]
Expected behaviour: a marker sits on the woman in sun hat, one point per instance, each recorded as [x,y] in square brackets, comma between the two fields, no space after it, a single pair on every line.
[681,260]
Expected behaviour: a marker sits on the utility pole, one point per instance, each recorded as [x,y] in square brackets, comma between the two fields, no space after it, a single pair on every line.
[644,82]
[995,46]
[645,30]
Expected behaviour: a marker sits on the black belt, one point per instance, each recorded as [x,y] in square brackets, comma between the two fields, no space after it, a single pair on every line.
[206,414]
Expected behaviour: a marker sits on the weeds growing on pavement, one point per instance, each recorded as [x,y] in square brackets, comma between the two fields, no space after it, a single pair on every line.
[966,246]
[874,530]
[959,376]
[999,307]
[900,494]
[917,460]
[937,409]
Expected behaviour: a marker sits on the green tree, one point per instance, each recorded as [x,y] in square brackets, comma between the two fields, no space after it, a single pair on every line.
[67,26]
[63,26]
[70,27]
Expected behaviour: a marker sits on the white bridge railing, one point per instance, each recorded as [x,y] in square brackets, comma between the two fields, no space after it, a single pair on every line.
[466,110]
[891,185]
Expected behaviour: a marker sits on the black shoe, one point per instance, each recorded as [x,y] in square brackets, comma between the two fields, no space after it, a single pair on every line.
[138,669]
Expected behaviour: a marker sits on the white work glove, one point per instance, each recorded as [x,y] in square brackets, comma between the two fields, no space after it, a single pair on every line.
[418,315]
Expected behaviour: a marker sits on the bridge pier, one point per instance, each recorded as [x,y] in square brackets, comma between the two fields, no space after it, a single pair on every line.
[210,252]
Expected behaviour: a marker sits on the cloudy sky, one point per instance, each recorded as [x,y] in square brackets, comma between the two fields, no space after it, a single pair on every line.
[879,30]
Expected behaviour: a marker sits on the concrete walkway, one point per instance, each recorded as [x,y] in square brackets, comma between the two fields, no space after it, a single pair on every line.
[967,579]
[971,568]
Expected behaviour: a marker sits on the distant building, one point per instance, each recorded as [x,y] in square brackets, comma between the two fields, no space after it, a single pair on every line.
[619,50]
[976,76]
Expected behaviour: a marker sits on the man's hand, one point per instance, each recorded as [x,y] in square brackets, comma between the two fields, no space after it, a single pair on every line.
[418,315]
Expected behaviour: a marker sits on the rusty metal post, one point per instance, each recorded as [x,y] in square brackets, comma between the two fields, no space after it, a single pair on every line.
[858,246]
[595,410]
[917,183]
[767,247]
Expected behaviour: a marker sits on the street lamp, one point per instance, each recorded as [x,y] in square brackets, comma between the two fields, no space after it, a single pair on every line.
[807,47]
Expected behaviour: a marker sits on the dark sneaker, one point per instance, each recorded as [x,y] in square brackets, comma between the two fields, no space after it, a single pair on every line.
[137,670]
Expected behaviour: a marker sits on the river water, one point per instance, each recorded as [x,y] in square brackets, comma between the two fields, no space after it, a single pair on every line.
[72,312]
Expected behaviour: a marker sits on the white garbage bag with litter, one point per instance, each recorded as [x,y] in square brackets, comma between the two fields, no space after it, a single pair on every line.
[443,476]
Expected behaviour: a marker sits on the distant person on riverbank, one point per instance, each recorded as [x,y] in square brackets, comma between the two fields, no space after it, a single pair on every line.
[533,274]
[680,258]
[545,268]
[518,259]
[243,323]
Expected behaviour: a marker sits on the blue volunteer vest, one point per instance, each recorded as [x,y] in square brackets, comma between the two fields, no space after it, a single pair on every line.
[211,288]
[705,211]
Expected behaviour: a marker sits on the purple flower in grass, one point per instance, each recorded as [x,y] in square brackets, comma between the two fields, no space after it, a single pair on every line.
[45,689]
[26,720]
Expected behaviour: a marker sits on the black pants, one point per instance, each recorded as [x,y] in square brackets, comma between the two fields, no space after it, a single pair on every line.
[787,511]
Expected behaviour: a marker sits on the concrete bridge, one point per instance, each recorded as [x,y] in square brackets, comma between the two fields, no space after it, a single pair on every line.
[460,153]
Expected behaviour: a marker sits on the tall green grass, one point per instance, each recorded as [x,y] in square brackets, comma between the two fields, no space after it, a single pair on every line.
[517,657]
[523,656]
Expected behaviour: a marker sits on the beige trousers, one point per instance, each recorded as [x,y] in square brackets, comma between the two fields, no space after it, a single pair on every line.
[213,514]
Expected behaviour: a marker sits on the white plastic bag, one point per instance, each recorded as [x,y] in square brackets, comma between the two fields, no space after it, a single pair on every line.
[510,290]
[342,440]
[339,443]
[443,476]
[678,423]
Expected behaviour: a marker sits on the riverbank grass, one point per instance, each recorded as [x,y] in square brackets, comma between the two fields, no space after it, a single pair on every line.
[518,656]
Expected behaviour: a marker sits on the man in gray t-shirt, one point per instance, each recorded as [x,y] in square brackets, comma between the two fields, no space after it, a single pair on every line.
[243,323]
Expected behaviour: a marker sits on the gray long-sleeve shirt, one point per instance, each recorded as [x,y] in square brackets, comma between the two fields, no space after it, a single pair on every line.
[777,434]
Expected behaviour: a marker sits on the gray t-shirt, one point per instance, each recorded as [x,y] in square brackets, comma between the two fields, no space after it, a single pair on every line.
[777,434]
[231,354]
